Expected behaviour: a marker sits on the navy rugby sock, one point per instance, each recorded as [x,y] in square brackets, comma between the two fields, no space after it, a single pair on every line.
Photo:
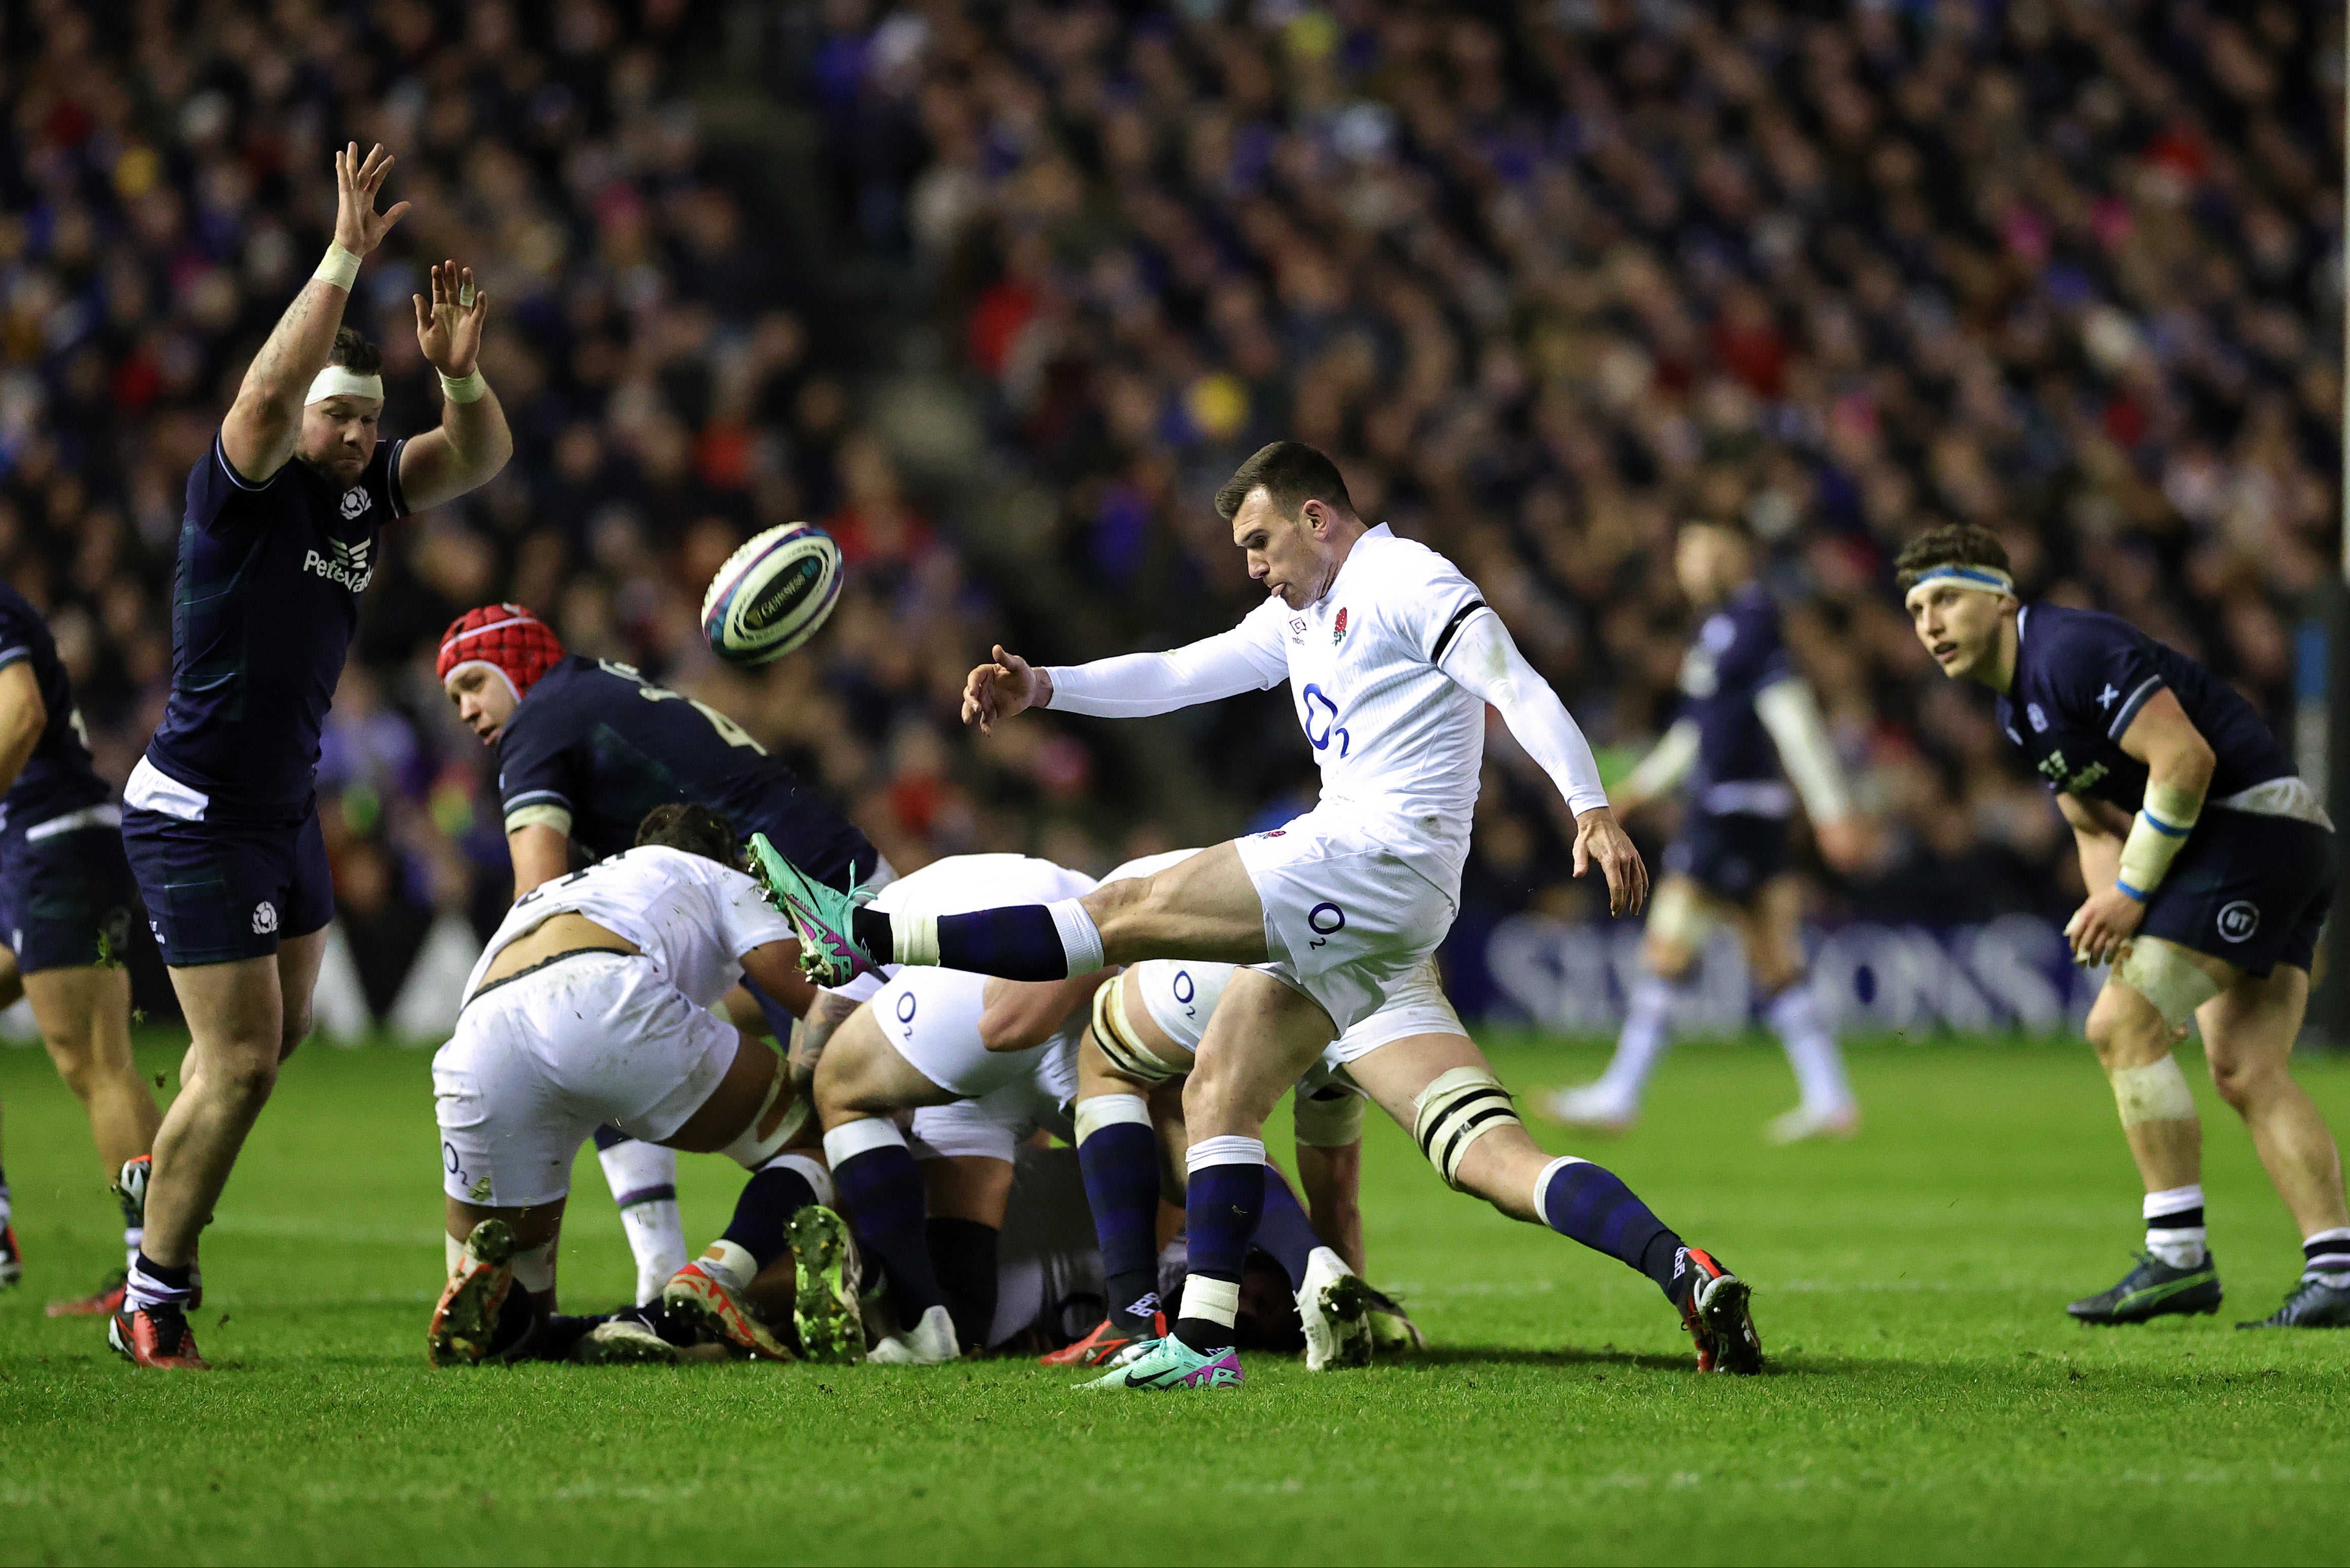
[1120,1165]
[1223,1204]
[963,1253]
[882,1188]
[1286,1234]
[1017,941]
[1590,1204]
[776,1192]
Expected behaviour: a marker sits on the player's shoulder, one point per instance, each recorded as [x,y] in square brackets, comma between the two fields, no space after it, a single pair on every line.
[2059,640]
[16,612]
[1400,565]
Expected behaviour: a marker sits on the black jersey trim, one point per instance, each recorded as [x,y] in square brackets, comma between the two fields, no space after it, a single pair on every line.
[2130,705]
[1452,629]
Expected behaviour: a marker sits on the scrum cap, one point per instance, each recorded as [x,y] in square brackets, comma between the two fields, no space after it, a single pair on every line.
[507,638]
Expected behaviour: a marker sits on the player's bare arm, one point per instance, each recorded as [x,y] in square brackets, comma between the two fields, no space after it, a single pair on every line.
[473,441]
[22,717]
[541,852]
[264,423]
[2178,764]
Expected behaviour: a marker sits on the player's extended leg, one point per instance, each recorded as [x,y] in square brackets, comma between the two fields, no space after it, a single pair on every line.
[1679,918]
[1770,930]
[1441,1088]
[643,1178]
[2248,1034]
[2135,1021]
[84,1015]
[860,1081]
[967,1195]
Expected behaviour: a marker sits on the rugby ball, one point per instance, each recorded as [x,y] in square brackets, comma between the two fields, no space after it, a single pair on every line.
[772,594]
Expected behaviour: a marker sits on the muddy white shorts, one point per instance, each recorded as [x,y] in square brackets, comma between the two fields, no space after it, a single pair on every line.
[541,1060]
[1180,996]
[993,1125]
[1346,916]
[931,1016]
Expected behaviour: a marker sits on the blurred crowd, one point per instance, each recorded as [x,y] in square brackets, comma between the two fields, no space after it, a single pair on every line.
[1547,278]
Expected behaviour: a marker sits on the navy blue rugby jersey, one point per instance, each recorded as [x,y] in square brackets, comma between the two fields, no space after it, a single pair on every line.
[264,603]
[57,777]
[597,741]
[1738,653]
[2081,676]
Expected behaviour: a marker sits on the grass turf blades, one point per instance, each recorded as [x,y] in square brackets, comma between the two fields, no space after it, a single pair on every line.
[1927,1398]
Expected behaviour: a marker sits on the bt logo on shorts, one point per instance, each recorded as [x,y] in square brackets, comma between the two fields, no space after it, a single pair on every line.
[264,918]
[2239,920]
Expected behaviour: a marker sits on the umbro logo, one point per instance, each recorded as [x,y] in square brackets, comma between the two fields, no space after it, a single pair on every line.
[348,567]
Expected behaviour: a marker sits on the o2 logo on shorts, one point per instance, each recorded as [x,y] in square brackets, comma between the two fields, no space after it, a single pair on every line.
[264,918]
[906,1006]
[1327,920]
[2239,920]
[1320,705]
[1186,991]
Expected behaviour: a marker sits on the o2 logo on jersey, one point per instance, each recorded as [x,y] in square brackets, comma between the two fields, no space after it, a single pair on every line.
[2239,920]
[1327,920]
[1320,707]
[1186,991]
[905,1010]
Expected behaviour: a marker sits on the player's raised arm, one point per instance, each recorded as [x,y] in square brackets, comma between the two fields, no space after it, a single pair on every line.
[259,433]
[1248,658]
[473,441]
[1484,659]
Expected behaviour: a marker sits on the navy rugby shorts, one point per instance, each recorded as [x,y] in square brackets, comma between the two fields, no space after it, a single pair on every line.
[2251,889]
[218,891]
[65,898]
[1730,855]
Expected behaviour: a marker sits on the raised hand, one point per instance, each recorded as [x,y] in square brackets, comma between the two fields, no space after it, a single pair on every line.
[1598,837]
[1003,688]
[358,227]
[449,330]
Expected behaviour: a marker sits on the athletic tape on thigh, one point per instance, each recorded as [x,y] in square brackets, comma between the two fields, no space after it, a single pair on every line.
[1116,1038]
[2156,1093]
[750,1150]
[1329,1117]
[1679,915]
[1456,1110]
[534,1270]
[2163,973]
[1110,1111]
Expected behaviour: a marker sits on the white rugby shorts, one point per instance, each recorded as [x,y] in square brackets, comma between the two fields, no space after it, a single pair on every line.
[931,1017]
[539,1062]
[1346,916]
[993,1125]
[1180,995]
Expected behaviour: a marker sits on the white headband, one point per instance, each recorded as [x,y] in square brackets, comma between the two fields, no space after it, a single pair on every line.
[338,382]
[1983,579]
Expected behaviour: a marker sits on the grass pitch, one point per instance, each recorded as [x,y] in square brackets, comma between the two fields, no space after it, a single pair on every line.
[1928,1400]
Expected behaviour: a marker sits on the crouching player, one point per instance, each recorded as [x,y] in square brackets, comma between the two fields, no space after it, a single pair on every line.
[1414,1059]
[590,1005]
[2209,867]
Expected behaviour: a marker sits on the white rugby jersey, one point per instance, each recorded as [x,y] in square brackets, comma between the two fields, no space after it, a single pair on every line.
[693,917]
[1399,743]
[962,883]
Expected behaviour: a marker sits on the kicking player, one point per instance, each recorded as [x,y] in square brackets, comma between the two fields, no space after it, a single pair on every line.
[1392,658]
[220,817]
[591,1005]
[66,898]
[585,747]
[2209,867]
[1745,715]
[1415,1059]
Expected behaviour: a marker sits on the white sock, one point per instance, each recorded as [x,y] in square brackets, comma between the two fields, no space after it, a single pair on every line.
[2181,1246]
[1794,1017]
[643,1177]
[1218,1300]
[731,1262]
[1080,938]
[132,1237]
[2327,1255]
[1641,1046]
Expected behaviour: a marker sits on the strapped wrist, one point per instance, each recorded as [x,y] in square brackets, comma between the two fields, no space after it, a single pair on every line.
[339,267]
[465,389]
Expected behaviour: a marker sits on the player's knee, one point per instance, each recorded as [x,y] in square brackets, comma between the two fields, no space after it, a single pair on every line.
[1667,958]
[294,1030]
[75,1064]
[244,1077]
[2244,1081]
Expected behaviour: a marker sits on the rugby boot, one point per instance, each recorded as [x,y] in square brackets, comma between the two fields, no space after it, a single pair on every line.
[156,1336]
[11,1257]
[1392,1331]
[1806,1123]
[2310,1304]
[1166,1363]
[1106,1346]
[1716,1313]
[104,1302]
[696,1297]
[821,915]
[1334,1306]
[1587,1109]
[627,1338]
[2154,1289]
[466,1320]
[825,1310]
[929,1343]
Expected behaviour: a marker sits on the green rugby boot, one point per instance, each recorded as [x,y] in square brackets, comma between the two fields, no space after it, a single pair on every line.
[1169,1363]
[2310,1304]
[823,917]
[2154,1289]
[825,1280]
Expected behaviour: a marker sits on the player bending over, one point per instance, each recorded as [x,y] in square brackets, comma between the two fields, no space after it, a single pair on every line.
[1414,1058]
[591,1005]
[584,748]
[1392,658]
[220,817]
[2209,867]
[66,898]
[1745,715]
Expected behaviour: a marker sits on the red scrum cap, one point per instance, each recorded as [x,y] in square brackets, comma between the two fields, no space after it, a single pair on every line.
[507,638]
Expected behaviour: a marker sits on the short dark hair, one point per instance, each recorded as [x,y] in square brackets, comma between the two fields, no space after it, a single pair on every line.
[693,827]
[1951,545]
[1291,473]
[354,353]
